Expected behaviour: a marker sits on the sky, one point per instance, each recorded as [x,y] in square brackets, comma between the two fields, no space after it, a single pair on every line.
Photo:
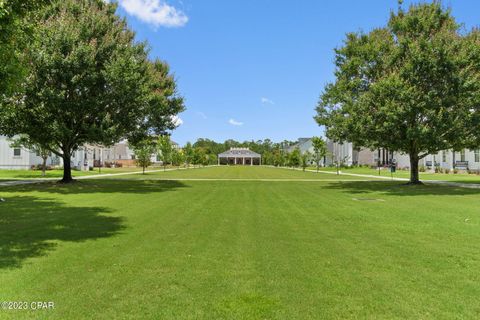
[254,69]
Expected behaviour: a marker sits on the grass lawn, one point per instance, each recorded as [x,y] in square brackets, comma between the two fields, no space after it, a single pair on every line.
[461,177]
[33,174]
[153,249]
[238,172]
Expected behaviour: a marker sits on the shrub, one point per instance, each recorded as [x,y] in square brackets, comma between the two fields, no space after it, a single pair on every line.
[39,167]
[421,169]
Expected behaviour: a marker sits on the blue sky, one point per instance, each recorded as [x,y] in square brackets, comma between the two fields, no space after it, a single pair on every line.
[254,69]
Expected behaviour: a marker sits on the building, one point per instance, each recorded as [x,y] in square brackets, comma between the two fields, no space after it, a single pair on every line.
[240,156]
[21,158]
[447,159]
[343,153]
[84,158]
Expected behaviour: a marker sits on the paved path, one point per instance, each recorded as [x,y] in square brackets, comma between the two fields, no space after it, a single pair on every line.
[436,182]
[41,180]
[256,179]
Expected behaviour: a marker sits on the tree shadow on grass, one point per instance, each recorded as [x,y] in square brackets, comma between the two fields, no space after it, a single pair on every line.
[400,188]
[30,226]
[106,186]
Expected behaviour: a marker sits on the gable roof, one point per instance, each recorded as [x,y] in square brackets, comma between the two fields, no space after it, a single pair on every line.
[239,152]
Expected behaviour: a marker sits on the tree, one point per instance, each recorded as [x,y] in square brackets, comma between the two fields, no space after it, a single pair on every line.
[15,34]
[189,154]
[198,156]
[89,82]
[294,158]
[41,150]
[143,154]
[177,157]
[165,150]
[305,159]
[279,158]
[411,86]
[319,150]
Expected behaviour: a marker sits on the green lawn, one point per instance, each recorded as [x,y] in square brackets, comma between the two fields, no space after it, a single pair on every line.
[237,172]
[153,249]
[33,174]
[461,177]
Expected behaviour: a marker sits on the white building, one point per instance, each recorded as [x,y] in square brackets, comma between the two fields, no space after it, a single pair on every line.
[343,153]
[447,159]
[20,158]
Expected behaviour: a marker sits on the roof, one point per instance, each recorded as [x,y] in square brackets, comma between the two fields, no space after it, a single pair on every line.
[301,141]
[239,152]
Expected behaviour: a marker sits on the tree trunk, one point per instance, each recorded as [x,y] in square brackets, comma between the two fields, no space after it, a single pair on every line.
[143,167]
[44,166]
[414,176]
[67,170]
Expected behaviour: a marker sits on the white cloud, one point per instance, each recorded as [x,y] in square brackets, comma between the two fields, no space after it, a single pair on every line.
[157,13]
[267,101]
[177,121]
[234,122]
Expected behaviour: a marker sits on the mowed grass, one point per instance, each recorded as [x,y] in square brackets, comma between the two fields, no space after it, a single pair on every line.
[152,249]
[240,173]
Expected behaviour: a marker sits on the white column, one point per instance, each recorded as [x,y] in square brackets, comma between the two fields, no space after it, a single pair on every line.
[235,160]
[251,161]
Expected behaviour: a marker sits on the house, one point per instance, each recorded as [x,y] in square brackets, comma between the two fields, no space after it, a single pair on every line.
[84,158]
[21,158]
[344,153]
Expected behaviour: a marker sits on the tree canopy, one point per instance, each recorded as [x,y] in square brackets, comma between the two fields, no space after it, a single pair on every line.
[412,86]
[16,20]
[89,82]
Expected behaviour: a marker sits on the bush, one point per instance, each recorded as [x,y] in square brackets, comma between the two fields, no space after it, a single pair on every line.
[39,167]
[421,169]
[447,171]
[109,164]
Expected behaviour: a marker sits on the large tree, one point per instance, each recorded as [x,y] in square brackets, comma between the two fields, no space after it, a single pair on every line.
[412,86]
[89,82]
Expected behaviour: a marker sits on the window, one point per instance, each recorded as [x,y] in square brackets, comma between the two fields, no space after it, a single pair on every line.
[462,155]
[477,155]
[444,156]
[133,157]
[17,152]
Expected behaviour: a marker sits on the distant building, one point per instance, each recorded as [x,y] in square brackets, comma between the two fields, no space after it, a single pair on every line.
[342,152]
[84,158]
[240,156]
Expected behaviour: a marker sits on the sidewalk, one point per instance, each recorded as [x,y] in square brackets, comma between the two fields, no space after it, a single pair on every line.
[435,182]
[10,183]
